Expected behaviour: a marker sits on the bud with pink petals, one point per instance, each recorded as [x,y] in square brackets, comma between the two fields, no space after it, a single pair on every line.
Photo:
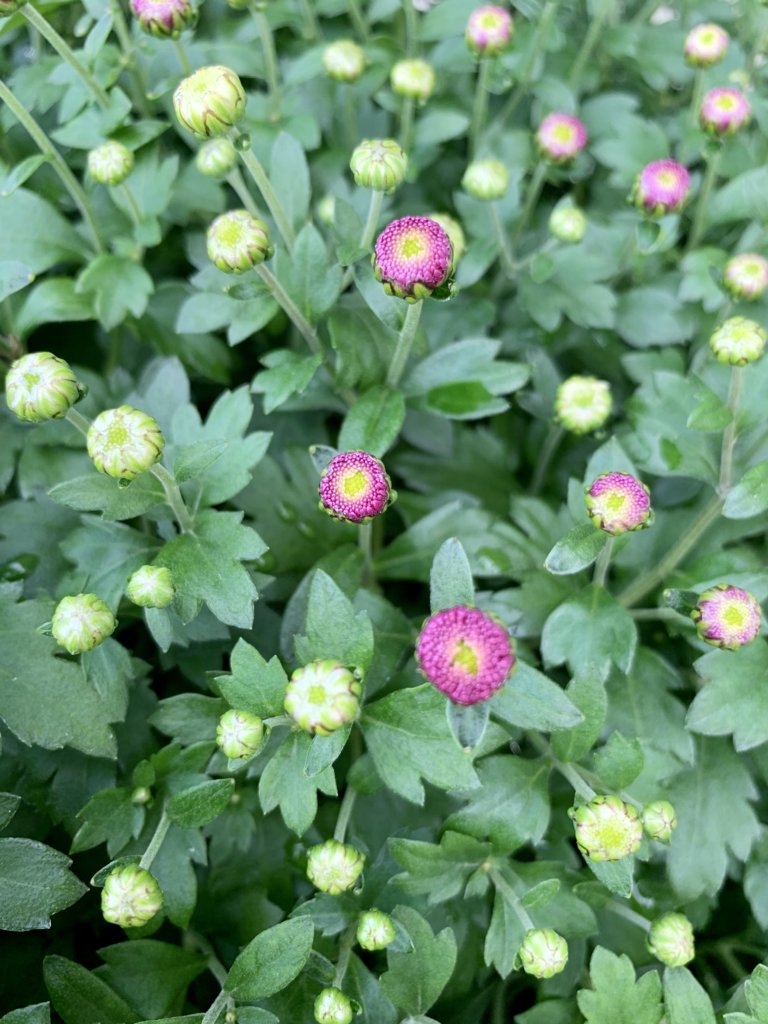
[489,30]
[561,137]
[724,111]
[662,187]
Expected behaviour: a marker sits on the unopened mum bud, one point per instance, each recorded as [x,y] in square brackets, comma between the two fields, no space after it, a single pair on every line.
[489,30]
[322,697]
[414,79]
[543,953]
[568,224]
[465,653]
[237,241]
[165,19]
[618,503]
[379,164]
[81,623]
[124,442]
[661,187]
[215,159]
[40,387]
[583,404]
[131,896]
[9,7]
[671,940]
[561,138]
[746,276]
[455,232]
[413,258]
[724,111]
[210,101]
[326,209]
[239,734]
[334,867]
[727,616]
[607,828]
[110,164]
[738,341]
[355,487]
[151,586]
[333,1007]
[375,930]
[486,179]
[659,820]
[344,60]
[705,45]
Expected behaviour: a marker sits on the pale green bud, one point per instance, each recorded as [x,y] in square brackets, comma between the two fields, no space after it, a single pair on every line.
[414,79]
[375,930]
[659,820]
[738,341]
[81,623]
[110,164]
[543,953]
[40,386]
[124,442]
[151,586]
[238,241]
[379,164]
[326,209]
[671,940]
[583,404]
[334,867]
[344,60]
[131,896]
[607,828]
[239,734]
[323,696]
[486,179]
[333,1007]
[216,158]
[567,224]
[210,102]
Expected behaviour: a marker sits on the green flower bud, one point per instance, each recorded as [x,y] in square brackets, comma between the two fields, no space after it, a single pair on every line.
[215,159]
[124,442]
[239,5]
[326,209]
[344,60]
[131,896]
[543,953]
[414,79]
[379,164]
[40,387]
[334,867]
[567,224]
[210,101]
[239,734]
[455,232]
[671,940]
[607,828]
[141,795]
[375,930]
[738,341]
[238,241]
[486,179]
[9,7]
[110,164]
[151,586]
[323,696]
[659,820]
[583,404]
[81,623]
[333,1007]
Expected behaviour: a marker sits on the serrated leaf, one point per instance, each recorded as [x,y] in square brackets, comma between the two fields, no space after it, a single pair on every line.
[35,883]
[272,960]
[590,632]
[284,784]
[616,997]
[577,550]
[734,695]
[685,1001]
[198,805]
[333,628]
[530,700]
[414,980]
[254,685]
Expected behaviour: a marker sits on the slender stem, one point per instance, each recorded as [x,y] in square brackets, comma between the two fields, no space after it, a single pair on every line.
[710,176]
[480,105]
[628,914]
[129,59]
[290,308]
[311,26]
[591,38]
[602,563]
[238,186]
[551,443]
[646,12]
[512,899]
[268,194]
[411,28]
[216,1008]
[78,421]
[184,61]
[404,343]
[365,541]
[349,104]
[534,50]
[406,122]
[155,842]
[48,150]
[133,206]
[658,615]
[696,96]
[369,230]
[173,497]
[569,772]
[532,197]
[345,811]
[44,27]
[358,19]
[270,59]
[345,951]
[507,259]
[214,965]
[729,436]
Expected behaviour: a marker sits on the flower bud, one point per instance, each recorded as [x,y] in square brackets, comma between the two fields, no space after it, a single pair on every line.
[239,734]
[724,111]
[583,404]
[81,623]
[237,241]
[486,179]
[606,828]
[465,653]
[141,795]
[412,258]
[344,60]
[489,30]
[375,930]
[727,616]
[561,138]
[455,233]
[322,697]
[568,224]
[661,187]
[110,164]
[414,79]
[738,341]
[659,820]
[210,101]
[334,867]
[746,276]
[215,159]
[671,940]
[40,386]
[705,45]
[333,1007]
[543,953]
[618,502]
[151,586]
[124,442]
[379,164]
[355,487]
[165,19]
[131,896]
[9,7]
[326,209]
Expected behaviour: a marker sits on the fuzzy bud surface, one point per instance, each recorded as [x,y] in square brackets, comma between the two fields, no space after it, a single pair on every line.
[151,586]
[671,940]
[334,867]
[40,387]
[322,697]
[355,487]
[210,101]
[110,164]
[543,953]
[659,820]
[81,623]
[727,616]
[413,257]
[239,734]
[607,828]
[738,341]
[124,442]
[583,404]
[379,164]
[216,158]
[375,930]
[237,242]
[131,897]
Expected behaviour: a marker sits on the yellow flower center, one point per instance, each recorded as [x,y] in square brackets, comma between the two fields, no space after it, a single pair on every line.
[230,232]
[726,103]
[668,179]
[733,615]
[465,657]
[563,132]
[317,694]
[354,484]
[117,434]
[490,20]
[615,501]
[411,246]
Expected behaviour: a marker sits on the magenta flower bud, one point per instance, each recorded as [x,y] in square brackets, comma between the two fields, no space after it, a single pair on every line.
[561,138]
[746,276]
[724,111]
[705,45]
[166,19]
[661,187]
[413,257]
[727,616]
[606,828]
[618,502]
[355,487]
[455,232]
[671,940]
[489,30]
[131,896]
[465,653]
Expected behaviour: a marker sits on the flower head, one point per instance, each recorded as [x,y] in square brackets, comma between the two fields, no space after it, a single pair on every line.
[618,502]
[543,953]
[333,1007]
[413,257]
[379,164]
[662,187]
[738,341]
[465,653]
[322,697]
[344,60]
[237,241]
[659,820]
[151,586]
[489,30]
[110,164]
[355,487]
[705,45]
[164,18]
[375,930]
[414,79]
[81,623]
[40,386]
[486,179]
[746,276]
[727,616]
[607,828]
[216,158]
[326,209]
[210,101]
[239,734]
[724,111]
[671,940]
[561,138]
[131,896]
[583,404]
[334,867]
[124,442]
[455,233]
[568,224]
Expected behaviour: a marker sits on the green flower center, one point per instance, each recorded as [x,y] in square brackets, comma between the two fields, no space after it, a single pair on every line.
[465,657]
[412,246]
[354,484]
[30,379]
[317,694]
[615,501]
[733,614]
[230,233]
[612,834]
[563,132]
[490,20]
[117,434]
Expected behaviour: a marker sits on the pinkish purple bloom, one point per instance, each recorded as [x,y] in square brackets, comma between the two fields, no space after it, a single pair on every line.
[724,111]
[355,487]
[164,18]
[706,45]
[561,137]
[662,187]
[465,653]
[618,502]
[412,257]
[727,616]
[746,275]
[489,30]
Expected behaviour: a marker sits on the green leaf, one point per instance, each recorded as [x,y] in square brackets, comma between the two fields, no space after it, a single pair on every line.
[590,632]
[54,300]
[191,460]
[307,275]
[542,894]
[13,277]
[741,198]
[685,1001]
[587,692]
[616,998]
[35,883]
[119,287]
[616,875]
[468,723]
[272,960]
[80,997]
[734,695]
[438,871]
[333,628]
[287,374]
[38,1013]
[756,991]
[450,579]
[653,316]
[749,497]
[99,493]
[284,784]
[189,717]
[255,685]
[374,422]
[153,976]
[9,804]
[325,750]
[20,173]
[105,554]
[414,980]
[620,761]
[577,550]
[109,817]
[289,175]
[363,346]
[198,805]
[35,234]
[530,700]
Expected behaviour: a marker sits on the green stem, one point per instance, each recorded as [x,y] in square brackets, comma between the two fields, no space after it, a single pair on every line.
[345,952]
[507,259]
[696,96]
[404,343]
[345,811]
[532,197]
[216,1008]
[411,28]
[358,18]
[729,436]
[590,40]
[268,194]
[290,309]
[710,176]
[214,965]
[406,122]
[512,898]
[270,59]
[173,497]
[155,842]
[46,147]
[349,105]
[184,61]
[480,105]
[537,45]
[646,12]
[569,772]
[369,230]
[628,914]
[78,421]
[133,206]
[551,443]
[44,27]
[602,563]
[237,184]
[311,26]
[365,541]
[129,57]
[658,615]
